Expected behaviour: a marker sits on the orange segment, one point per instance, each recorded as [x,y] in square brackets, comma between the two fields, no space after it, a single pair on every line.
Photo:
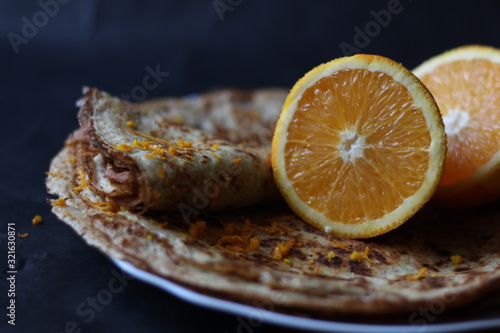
[466,85]
[359,146]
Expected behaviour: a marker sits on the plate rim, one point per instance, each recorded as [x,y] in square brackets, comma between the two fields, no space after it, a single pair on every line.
[291,321]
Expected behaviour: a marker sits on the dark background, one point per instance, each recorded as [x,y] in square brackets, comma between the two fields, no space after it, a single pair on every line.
[110,44]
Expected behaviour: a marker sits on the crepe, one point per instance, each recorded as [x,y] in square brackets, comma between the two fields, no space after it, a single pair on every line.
[203,152]
[268,257]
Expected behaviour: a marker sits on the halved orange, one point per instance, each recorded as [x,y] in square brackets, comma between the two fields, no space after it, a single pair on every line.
[466,85]
[359,146]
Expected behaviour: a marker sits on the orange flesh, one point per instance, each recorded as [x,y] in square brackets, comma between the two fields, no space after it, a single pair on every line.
[345,179]
[471,86]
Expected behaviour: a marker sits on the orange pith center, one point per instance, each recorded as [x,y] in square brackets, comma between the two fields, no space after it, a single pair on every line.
[352,136]
[467,93]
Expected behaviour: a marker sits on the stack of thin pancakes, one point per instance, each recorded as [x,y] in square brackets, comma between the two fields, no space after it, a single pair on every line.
[183,188]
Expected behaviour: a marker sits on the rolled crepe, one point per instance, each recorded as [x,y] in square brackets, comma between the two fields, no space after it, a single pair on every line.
[191,154]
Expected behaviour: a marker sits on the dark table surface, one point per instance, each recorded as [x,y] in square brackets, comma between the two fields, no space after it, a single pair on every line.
[49,49]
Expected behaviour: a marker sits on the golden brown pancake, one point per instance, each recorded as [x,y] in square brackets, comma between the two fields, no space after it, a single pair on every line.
[265,253]
[205,152]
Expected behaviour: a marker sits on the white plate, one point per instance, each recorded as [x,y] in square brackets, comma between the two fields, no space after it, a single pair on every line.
[311,325]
